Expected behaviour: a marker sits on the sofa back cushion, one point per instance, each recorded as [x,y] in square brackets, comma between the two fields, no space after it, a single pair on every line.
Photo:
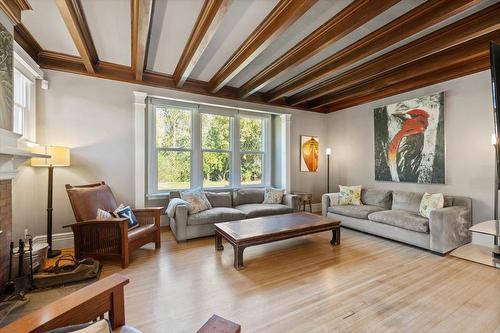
[245,196]
[407,201]
[220,199]
[374,197]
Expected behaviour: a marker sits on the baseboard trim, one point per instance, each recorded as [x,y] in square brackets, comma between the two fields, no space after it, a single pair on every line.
[316,207]
[59,241]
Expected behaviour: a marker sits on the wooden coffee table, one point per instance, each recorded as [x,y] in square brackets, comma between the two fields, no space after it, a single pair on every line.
[244,233]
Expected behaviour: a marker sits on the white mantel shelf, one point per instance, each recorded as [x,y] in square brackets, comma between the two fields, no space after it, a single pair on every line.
[11,156]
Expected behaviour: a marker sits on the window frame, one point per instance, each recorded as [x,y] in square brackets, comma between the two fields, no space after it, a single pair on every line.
[197,150]
[27,108]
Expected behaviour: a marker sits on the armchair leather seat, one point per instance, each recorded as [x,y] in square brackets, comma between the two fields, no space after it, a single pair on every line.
[141,231]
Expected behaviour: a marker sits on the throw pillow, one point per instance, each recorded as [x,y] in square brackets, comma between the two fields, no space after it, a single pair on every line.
[430,202]
[273,196]
[197,200]
[103,214]
[126,212]
[350,195]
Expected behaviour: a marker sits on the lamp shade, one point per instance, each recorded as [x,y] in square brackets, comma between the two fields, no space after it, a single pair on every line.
[59,156]
[328,151]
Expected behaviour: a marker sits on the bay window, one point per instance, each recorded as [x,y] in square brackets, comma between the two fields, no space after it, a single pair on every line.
[194,145]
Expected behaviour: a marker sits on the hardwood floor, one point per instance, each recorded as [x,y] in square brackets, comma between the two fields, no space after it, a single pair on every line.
[306,285]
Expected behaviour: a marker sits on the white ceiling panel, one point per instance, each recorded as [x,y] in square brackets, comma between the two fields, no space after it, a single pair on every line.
[240,21]
[372,25]
[109,22]
[173,21]
[45,23]
[321,12]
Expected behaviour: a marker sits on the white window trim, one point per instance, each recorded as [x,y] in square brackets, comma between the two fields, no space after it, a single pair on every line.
[197,151]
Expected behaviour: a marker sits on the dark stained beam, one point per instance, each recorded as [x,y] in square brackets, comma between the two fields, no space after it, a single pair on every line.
[24,38]
[206,25]
[426,15]
[74,18]
[474,25]
[66,63]
[13,9]
[279,19]
[427,70]
[141,12]
[347,20]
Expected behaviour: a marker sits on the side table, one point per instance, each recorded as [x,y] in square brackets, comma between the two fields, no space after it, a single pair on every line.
[305,198]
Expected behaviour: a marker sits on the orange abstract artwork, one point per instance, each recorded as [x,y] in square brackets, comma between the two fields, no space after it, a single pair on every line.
[309,148]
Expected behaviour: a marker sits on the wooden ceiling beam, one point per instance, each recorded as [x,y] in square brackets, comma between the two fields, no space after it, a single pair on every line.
[141,16]
[74,18]
[13,9]
[429,67]
[110,71]
[279,19]
[347,20]
[206,25]
[426,15]
[472,26]
[24,38]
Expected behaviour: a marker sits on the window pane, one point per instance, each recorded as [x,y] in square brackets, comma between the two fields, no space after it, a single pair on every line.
[174,170]
[215,169]
[18,120]
[251,169]
[251,130]
[173,127]
[214,131]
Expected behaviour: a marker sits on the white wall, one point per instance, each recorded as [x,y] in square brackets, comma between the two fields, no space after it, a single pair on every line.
[95,118]
[469,153]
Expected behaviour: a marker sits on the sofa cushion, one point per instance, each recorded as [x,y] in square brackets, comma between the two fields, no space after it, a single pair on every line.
[256,210]
[408,201]
[374,197]
[402,219]
[220,199]
[360,212]
[215,215]
[244,196]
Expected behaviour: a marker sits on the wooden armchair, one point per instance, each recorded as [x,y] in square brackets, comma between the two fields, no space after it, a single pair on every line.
[109,238]
[105,296]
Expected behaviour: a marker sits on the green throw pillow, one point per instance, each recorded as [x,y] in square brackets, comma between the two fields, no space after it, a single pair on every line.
[350,195]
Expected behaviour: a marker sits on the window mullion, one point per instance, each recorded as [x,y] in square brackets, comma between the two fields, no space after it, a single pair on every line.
[196,157]
[236,157]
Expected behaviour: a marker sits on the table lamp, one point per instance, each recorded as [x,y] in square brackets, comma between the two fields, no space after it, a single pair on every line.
[328,153]
[59,157]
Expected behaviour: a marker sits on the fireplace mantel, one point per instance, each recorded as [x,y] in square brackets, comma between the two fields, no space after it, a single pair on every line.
[11,155]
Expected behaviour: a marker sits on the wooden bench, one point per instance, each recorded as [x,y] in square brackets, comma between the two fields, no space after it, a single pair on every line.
[85,305]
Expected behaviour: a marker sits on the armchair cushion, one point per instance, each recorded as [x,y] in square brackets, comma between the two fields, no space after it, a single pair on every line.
[140,231]
[85,200]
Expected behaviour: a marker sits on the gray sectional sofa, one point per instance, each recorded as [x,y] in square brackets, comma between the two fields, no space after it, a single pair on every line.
[395,215]
[234,205]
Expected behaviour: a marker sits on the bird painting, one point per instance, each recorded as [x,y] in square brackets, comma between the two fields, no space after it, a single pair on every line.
[409,141]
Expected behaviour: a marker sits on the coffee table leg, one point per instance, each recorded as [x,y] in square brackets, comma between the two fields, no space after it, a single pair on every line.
[218,242]
[238,257]
[335,237]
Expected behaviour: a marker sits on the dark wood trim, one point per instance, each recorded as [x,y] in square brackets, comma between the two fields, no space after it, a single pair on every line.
[278,20]
[105,70]
[206,25]
[350,18]
[141,12]
[424,72]
[23,4]
[24,38]
[414,21]
[475,25]
[13,8]
[74,18]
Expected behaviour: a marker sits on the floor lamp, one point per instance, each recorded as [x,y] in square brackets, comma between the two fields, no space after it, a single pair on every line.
[59,157]
[328,153]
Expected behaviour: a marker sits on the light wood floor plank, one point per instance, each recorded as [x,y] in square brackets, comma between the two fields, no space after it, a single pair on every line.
[367,284]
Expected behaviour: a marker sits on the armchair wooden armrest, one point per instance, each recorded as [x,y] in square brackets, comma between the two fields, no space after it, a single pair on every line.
[82,306]
[148,215]
[118,221]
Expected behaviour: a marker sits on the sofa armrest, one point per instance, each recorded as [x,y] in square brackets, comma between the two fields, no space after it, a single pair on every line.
[292,201]
[178,223]
[449,228]
[326,202]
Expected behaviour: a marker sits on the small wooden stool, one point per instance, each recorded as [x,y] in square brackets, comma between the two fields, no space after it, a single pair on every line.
[218,324]
[305,198]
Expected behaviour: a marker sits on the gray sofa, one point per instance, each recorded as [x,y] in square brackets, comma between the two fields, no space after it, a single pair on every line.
[234,205]
[395,215]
